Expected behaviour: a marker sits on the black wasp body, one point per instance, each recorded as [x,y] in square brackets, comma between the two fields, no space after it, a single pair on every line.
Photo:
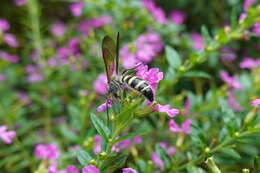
[140,85]
[116,82]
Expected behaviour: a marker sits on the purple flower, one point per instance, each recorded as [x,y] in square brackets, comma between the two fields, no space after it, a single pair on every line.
[185,127]
[129,170]
[76,8]
[90,169]
[230,80]
[2,77]
[5,135]
[104,106]
[155,11]
[228,54]
[177,17]
[247,4]
[255,102]
[9,57]
[100,84]
[157,160]
[242,16]
[256,28]
[97,140]
[143,50]
[10,40]
[93,23]
[197,41]
[73,46]
[169,150]
[152,76]
[137,139]
[57,29]
[172,112]
[249,63]
[46,151]
[35,77]
[233,102]
[19,2]
[117,147]
[71,169]
[4,25]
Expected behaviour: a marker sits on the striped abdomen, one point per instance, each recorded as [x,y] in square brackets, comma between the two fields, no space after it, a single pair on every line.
[140,85]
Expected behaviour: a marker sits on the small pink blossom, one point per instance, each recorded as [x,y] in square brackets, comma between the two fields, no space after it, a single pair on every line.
[137,140]
[170,150]
[228,54]
[242,16]
[255,102]
[19,2]
[230,80]
[90,169]
[100,84]
[76,8]
[129,170]
[157,160]
[250,63]
[172,112]
[9,57]
[247,4]
[155,11]
[10,39]
[177,17]
[185,127]
[117,147]
[4,25]
[71,169]
[46,151]
[97,140]
[5,135]
[197,41]
[2,77]
[256,28]
[57,29]
[35,77]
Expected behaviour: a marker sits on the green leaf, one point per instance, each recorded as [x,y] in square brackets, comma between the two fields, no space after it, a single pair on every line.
[257,163]
[197,74]
[231,152]
[83,157]
[172,57]
[112,163]
[233,18]
[100,126]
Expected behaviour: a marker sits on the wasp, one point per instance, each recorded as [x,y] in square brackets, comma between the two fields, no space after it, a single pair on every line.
[116,80]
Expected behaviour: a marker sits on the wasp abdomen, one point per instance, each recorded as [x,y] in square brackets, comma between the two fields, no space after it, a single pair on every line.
[140,85]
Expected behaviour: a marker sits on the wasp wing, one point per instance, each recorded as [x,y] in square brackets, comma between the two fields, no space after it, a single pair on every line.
[109,54]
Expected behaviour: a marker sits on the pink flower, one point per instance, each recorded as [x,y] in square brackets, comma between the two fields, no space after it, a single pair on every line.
[169,150]
[4,25]
[157,160]
[90,169]
[177,17]
[93,23]
[10,39]
[247,4]
[35,77]
[57,29]
[256,28]
[117,147]
[100,84]
[155,11]
[185,127]
[152,76]
[249,63]
[230,80]
[255,102]
[242,16]
[46,151]
[76,8]
[71,169]
[171,112]
[19,2]
[137,139]
[97,140]
[233,102]
[9,57]
[129,170]
[228,54]
[6,136]
[197,41]
[143,50]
